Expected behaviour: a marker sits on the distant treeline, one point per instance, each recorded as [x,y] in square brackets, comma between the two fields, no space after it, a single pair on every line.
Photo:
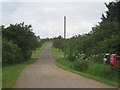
[18,42]
[103,38]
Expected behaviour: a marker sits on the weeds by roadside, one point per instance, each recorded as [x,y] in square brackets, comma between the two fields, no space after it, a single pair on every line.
[89,69]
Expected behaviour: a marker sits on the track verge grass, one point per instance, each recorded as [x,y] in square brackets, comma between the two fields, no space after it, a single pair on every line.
[65,64]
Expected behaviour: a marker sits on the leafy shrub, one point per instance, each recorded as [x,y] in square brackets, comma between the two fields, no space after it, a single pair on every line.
[59,42]
[98,58]
[23,37]
[103,38]
[11,53]
[81,65]
[18,43]
[27,55]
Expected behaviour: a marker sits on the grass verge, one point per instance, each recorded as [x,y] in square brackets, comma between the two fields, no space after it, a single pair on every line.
[11,73]
[63,63]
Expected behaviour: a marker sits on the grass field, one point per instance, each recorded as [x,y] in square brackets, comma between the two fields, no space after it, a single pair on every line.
[68,65]
[11,73]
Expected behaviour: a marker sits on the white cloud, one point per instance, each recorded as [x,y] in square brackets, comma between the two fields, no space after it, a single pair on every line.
[47,18]
[57,0]
[0,13]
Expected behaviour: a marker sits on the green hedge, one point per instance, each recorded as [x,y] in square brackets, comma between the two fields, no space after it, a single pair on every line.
[11,53]
[81,65]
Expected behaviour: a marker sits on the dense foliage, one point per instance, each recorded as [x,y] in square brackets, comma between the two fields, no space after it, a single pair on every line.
[59,42]
[18,43]
[11,52]
[103,38]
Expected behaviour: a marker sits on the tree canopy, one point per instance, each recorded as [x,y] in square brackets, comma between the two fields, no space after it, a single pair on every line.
[18,39]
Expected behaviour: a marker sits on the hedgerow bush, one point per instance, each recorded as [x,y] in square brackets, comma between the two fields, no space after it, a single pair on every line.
[98,58]
[103,38]
[59,42]
[81,65]
[11,53]
[19,41]
[27,55]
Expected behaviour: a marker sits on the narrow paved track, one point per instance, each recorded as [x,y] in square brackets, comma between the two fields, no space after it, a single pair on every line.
[45,74]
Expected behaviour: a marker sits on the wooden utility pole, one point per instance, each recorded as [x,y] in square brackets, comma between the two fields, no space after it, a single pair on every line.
[64,27]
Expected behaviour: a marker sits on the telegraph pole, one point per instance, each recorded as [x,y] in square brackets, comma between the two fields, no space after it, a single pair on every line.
[64,27]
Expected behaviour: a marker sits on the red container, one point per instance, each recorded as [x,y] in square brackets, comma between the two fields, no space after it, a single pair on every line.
[113,60]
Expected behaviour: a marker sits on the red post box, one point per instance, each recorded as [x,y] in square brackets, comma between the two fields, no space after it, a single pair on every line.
[113,60]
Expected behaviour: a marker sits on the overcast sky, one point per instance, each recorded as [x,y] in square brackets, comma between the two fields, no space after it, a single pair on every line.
[47,17]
